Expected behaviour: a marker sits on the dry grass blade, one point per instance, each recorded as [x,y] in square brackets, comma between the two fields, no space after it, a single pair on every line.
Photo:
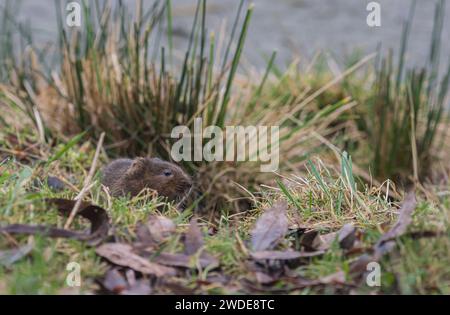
[87,183]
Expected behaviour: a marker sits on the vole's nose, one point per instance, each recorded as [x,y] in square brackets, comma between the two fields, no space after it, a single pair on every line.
[189,181]
[185,185]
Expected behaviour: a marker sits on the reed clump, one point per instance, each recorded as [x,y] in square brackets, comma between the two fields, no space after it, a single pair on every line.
[116,75]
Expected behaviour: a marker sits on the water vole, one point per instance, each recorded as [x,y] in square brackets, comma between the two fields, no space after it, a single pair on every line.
[130,177]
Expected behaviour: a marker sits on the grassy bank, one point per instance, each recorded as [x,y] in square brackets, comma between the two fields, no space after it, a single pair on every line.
[320,200]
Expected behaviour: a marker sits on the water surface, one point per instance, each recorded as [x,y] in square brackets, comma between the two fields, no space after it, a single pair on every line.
[291,27]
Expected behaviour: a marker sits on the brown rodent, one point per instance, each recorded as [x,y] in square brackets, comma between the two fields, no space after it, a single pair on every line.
[130,177]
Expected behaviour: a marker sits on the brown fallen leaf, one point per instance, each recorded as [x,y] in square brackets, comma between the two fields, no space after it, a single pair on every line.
[9,257]
[157,230]
[359,266]
[337,278]
[334,279]
[386,243]
[310,240]
[97,216]
[263,278]
[193,238]
[270,228]
[185,261]
[141,287]
[284,255]
[324,241]
[403,221]
[345,237]
[123,255]
[265,283]
[177,286]
[193,243]
[114,282]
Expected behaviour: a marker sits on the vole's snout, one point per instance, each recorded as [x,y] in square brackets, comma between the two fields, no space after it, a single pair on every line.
[186,183]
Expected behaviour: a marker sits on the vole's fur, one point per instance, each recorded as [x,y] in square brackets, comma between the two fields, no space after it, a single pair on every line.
[130,177]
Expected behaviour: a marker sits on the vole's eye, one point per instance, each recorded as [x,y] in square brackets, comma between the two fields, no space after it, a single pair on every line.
[167,173]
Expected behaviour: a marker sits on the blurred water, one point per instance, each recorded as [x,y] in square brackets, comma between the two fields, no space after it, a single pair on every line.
[291,26]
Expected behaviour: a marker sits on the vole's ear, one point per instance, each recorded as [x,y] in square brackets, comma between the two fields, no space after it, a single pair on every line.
[155,163]
[156,160]
[137,167]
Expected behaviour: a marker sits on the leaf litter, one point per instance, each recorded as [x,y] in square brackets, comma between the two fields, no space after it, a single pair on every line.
[386,243]
[270,228]
[9,257]
[133,265]
[123,255]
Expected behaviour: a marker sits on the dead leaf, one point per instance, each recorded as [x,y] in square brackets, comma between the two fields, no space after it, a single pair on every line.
[98,217]
[141,287]
[193,240]
[359,266]
[387,242]
[270,228]
[325,241]
[337,278]
[334,279]
[114,282]
[123,255]
[185,261]
[346,238]
[284,255]
[263,278]
[55,184]
[310,240]
[403,221]
[177,286]
[313,241]
[9,257]
[157,230]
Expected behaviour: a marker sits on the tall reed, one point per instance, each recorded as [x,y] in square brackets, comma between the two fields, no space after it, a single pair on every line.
[405,107]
